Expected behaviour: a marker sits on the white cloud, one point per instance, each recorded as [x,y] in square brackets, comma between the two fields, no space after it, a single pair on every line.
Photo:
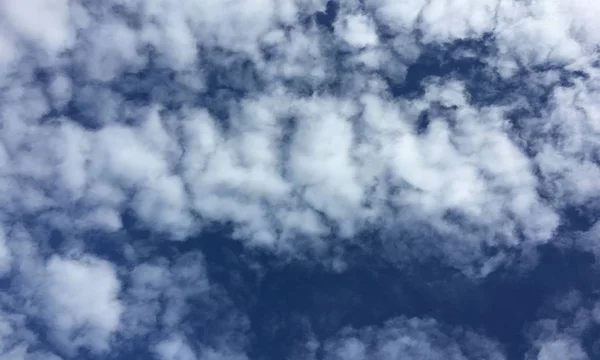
[183,171]
[321,162]
[19,340]
[557,30]
[567,349]
[560,336]
[400,16]
[104,59]
[562,350]
[31,19]
[568,161]
[414,338]
[14,338]
[5,254]
[83,307]
[321,151]
[174,297]
[174,348]
[446,20]
[357,30]
[160,294]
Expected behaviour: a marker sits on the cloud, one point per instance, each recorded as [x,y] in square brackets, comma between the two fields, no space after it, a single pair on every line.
[30,20]
[75,298]
[175,348]
[159,294]
[78,303]
[456,130]
[564,331]
[5,255]
[411,339]
[357,30]
[559,347]
[83,307]
[175,303]
[279,164]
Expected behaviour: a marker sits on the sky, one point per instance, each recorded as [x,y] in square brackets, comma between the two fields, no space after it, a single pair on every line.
[300,179]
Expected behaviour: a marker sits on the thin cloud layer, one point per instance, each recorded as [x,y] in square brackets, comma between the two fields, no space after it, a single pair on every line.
[461,131]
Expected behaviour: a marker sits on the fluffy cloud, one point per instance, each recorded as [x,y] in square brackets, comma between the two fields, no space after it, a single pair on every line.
[175,348]
[170,300]
[5,255]
[279,164]
[459,130]
[73,298]
[82,302]
[561,349]
[411,339]
[564,331]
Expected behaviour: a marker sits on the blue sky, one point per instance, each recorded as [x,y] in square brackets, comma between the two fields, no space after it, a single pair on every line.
[299,179]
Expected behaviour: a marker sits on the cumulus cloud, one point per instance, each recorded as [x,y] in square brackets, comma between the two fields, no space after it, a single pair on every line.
[411,339]
[82,294]
[75,297]
[175,303]
[76,303]
[449,127]
[5,254]
[564,330]
[175,348]
[279,164]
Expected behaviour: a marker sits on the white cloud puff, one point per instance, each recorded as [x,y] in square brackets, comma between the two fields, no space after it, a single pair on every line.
[411,339]
[82,301]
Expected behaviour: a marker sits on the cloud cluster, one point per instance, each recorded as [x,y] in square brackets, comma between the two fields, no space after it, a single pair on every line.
[79,303]
[175,304]
[459,130]
[566,332]
[71,299]
[411,339]
[285,166]
[73,304]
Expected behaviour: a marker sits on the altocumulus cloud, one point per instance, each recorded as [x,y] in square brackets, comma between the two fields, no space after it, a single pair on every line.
[167,168]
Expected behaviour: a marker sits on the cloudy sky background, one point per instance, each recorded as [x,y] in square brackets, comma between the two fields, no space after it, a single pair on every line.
[299,179]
